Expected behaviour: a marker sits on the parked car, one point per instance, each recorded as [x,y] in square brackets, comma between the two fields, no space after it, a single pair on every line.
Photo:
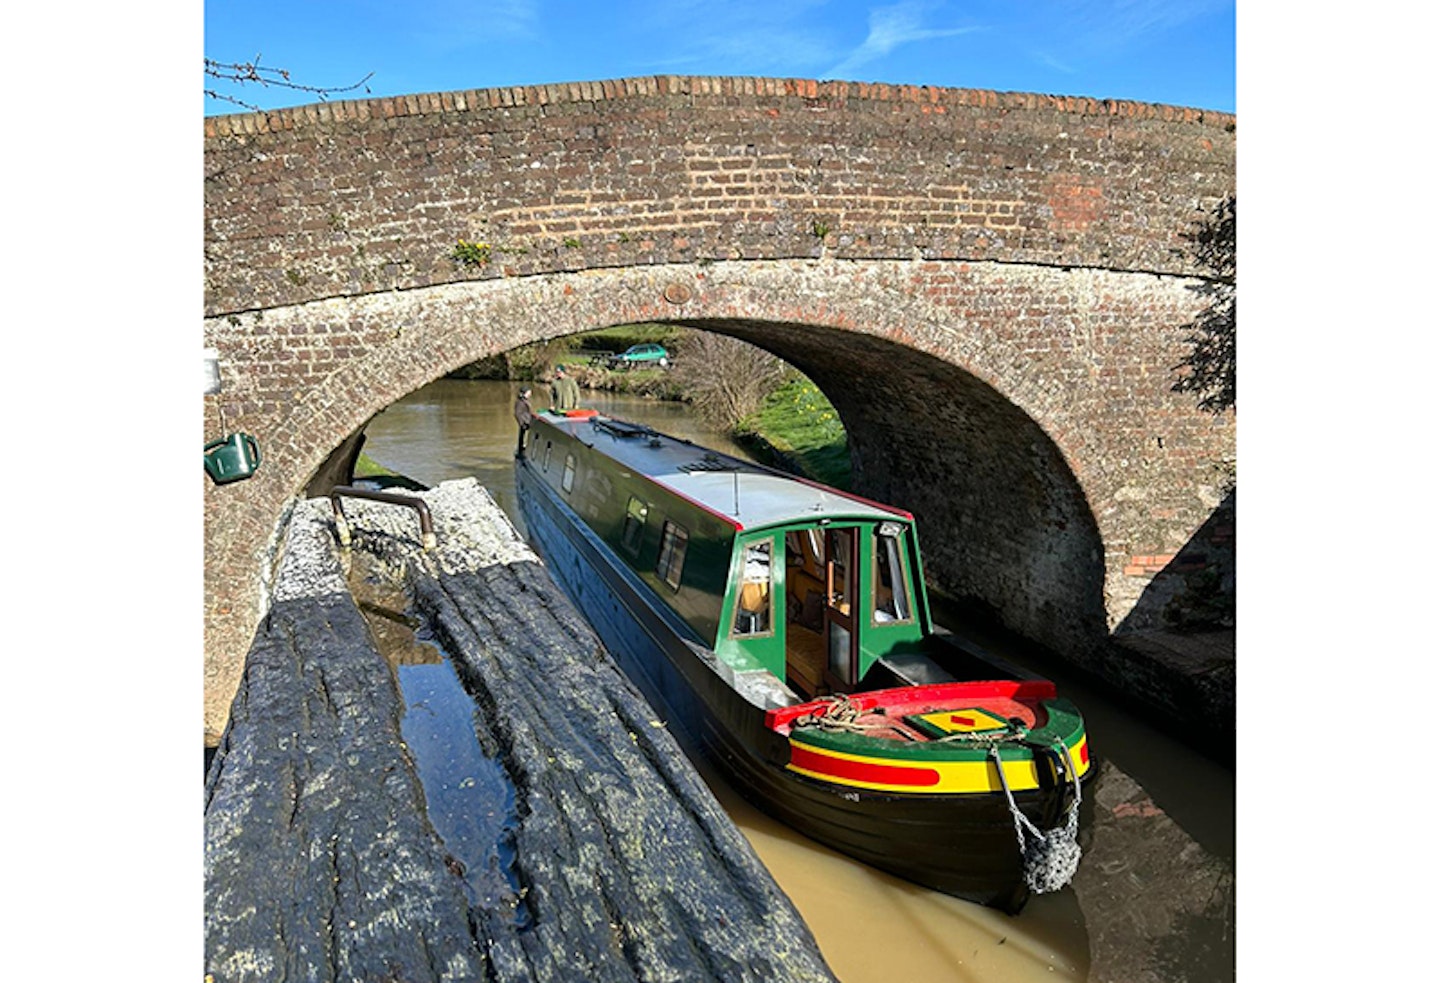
[641,355]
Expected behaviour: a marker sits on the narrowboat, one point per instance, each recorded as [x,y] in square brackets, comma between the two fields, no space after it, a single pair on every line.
[784,627]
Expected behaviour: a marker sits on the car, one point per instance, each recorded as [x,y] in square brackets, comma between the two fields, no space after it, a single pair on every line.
[641,355]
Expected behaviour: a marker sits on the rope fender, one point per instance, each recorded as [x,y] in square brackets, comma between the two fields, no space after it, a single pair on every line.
[1048,858]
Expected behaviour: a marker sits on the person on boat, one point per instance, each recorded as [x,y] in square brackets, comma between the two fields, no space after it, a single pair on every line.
[566,391]
[523,416]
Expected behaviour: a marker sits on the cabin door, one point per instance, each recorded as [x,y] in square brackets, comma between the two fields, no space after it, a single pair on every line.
[842,561]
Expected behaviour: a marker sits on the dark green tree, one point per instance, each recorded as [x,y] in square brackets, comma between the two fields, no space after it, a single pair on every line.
[1208,371]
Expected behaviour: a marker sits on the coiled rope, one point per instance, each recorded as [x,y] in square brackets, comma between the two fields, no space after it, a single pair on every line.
[839,713]
[1048,858]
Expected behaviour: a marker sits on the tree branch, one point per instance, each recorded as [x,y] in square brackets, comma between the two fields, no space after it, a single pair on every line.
[252,72]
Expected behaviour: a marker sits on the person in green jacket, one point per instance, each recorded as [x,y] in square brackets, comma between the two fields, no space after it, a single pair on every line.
[566,391]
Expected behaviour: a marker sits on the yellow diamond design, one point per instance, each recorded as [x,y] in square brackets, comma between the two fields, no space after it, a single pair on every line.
[966,721]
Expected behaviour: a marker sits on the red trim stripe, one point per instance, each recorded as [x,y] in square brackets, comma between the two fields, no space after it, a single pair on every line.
[862,771]
[937,694]
[730,520]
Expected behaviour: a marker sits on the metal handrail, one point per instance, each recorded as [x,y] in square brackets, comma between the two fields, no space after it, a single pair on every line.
[427,528]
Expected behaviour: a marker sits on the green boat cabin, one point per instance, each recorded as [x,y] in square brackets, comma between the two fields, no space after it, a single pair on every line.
[769,571]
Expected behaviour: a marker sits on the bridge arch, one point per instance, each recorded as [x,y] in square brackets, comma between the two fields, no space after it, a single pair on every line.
[1007,380]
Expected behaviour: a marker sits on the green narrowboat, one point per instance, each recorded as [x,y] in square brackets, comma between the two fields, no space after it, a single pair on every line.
[784,626]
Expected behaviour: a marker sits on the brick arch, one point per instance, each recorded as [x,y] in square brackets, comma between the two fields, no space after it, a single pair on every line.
[1017,265]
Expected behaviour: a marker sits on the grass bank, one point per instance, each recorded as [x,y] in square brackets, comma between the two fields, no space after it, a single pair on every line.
[798,430]
[372,472]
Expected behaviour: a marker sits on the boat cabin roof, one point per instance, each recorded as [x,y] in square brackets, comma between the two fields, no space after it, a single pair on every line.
[747,495]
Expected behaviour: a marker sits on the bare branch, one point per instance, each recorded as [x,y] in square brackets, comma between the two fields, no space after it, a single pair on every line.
[242,73]
[727,378]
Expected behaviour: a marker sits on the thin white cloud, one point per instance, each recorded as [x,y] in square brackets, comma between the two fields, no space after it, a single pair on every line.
[1050,61]
[741,36]
[451,24]
[1079,37]
[1119,25]
[891,27]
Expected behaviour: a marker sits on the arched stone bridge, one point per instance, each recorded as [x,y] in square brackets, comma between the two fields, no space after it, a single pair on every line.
[993,289]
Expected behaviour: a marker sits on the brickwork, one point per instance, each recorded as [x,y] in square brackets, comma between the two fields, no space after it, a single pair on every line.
[351,197]
[992,288]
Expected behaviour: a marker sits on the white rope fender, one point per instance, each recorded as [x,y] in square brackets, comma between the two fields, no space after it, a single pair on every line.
[1048,858]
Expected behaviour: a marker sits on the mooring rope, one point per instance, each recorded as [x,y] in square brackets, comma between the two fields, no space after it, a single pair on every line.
[840,713]
[1048,858]
[1014,731]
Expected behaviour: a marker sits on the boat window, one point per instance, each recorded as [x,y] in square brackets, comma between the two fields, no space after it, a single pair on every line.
[567,480]
[635,513]
[673,540]
[892,600]
[753,606]
[815,549]
[545,464]
[839,544]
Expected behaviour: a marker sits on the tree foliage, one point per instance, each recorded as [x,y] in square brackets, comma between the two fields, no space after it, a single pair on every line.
[241,73]
[1208,371]
[727,378]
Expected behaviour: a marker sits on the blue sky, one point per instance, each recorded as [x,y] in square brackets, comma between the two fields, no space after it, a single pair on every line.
[1180,52]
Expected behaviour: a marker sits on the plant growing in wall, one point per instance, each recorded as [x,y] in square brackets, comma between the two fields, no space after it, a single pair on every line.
[470,253]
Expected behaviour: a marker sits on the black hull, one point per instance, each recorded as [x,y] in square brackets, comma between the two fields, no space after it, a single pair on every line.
[961,845]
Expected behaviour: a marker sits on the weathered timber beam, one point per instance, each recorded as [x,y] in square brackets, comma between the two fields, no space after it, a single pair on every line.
[630,869]
[320,863]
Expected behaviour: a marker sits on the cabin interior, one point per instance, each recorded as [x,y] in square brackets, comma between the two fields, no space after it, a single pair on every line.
[823,619]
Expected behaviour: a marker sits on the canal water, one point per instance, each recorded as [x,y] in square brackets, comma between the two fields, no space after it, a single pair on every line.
[870,925]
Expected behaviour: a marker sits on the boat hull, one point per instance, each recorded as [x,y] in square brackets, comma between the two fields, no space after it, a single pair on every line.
[960,844]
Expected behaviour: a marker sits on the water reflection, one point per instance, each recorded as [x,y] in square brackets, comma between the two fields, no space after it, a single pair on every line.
[870,925]
[469,797]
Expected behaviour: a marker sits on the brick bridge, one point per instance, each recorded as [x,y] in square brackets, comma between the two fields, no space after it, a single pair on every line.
[992,288]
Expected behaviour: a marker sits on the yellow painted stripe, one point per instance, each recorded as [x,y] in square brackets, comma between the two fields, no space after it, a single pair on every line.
[955,776]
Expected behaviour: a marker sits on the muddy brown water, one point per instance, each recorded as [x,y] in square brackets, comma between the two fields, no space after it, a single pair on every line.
[870,925]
